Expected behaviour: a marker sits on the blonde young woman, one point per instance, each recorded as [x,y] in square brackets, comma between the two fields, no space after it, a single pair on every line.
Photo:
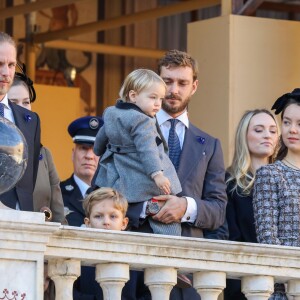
[255,145]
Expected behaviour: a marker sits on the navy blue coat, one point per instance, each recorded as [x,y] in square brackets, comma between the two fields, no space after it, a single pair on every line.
[29,124]
[73,202]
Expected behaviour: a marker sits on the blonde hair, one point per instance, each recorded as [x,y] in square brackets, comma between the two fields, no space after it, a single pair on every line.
[6,38]
[105,193]
[139,80]
[240,170]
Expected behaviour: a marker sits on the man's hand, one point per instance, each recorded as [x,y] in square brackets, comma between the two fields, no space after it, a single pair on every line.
[173,209]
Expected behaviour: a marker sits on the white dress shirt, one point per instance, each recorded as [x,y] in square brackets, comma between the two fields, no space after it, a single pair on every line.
[165,126]
[82,185]
[8,114]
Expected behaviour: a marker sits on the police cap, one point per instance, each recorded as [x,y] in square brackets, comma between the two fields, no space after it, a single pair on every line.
[84,130]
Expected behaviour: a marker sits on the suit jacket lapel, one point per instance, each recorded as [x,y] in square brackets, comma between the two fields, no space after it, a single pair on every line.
[162,137]
[20,121]
[192,152]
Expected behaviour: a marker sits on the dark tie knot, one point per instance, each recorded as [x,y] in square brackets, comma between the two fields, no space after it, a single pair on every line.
[173,122]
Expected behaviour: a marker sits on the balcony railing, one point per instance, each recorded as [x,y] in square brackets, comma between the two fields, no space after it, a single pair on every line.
[26,241]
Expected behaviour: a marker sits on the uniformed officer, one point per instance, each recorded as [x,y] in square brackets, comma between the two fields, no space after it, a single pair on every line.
[83,132]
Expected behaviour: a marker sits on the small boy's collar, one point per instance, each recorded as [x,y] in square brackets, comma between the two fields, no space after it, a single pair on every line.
[128,105]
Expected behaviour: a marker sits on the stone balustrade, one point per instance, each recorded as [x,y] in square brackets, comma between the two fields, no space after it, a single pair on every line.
[26,240]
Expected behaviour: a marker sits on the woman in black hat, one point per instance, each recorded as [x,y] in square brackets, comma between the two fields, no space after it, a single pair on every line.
[276,197]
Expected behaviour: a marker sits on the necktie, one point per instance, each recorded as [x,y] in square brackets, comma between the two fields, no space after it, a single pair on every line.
[174,144]
[1,110]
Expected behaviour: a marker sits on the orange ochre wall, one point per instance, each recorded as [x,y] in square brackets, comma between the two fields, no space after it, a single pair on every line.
[57,107]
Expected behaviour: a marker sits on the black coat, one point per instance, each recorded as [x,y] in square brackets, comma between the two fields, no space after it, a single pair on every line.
[240,216]
[29,124]
[240,219]
[73,202]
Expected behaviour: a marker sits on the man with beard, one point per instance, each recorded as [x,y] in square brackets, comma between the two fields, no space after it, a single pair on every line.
[21,196]
[200,168]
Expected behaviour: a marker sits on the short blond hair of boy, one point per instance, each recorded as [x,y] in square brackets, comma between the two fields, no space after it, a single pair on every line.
[105,193]
[139,80]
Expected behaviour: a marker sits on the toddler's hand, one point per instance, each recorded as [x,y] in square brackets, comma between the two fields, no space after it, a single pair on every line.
[163,183]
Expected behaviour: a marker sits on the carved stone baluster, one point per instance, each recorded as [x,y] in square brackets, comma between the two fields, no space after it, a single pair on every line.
[160,281]
[257,287]
[293,289]
[64,272]
[112,278]
[209,285]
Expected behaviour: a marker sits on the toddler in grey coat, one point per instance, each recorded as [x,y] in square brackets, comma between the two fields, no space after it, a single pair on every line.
[133,157]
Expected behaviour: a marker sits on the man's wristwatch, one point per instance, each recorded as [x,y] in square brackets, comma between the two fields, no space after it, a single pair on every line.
[152,207]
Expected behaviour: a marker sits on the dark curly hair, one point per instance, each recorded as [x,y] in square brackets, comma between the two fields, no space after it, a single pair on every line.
[176,58]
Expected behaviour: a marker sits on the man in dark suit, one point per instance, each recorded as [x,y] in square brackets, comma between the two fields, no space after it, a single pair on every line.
[201,168]
[83,132]
[21,196]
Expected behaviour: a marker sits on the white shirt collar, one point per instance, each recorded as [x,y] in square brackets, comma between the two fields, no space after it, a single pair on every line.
[163,117]
[5,102]
[81,184]
[8,113]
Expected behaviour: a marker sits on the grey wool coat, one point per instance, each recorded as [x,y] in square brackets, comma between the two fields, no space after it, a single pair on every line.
[131,150]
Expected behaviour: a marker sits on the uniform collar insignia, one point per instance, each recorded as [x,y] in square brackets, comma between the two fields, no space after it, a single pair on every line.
[69,187]
[67,211]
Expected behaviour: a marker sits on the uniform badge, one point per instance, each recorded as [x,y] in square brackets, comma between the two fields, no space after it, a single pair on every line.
[67,211]
[69,187]
[94,123]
